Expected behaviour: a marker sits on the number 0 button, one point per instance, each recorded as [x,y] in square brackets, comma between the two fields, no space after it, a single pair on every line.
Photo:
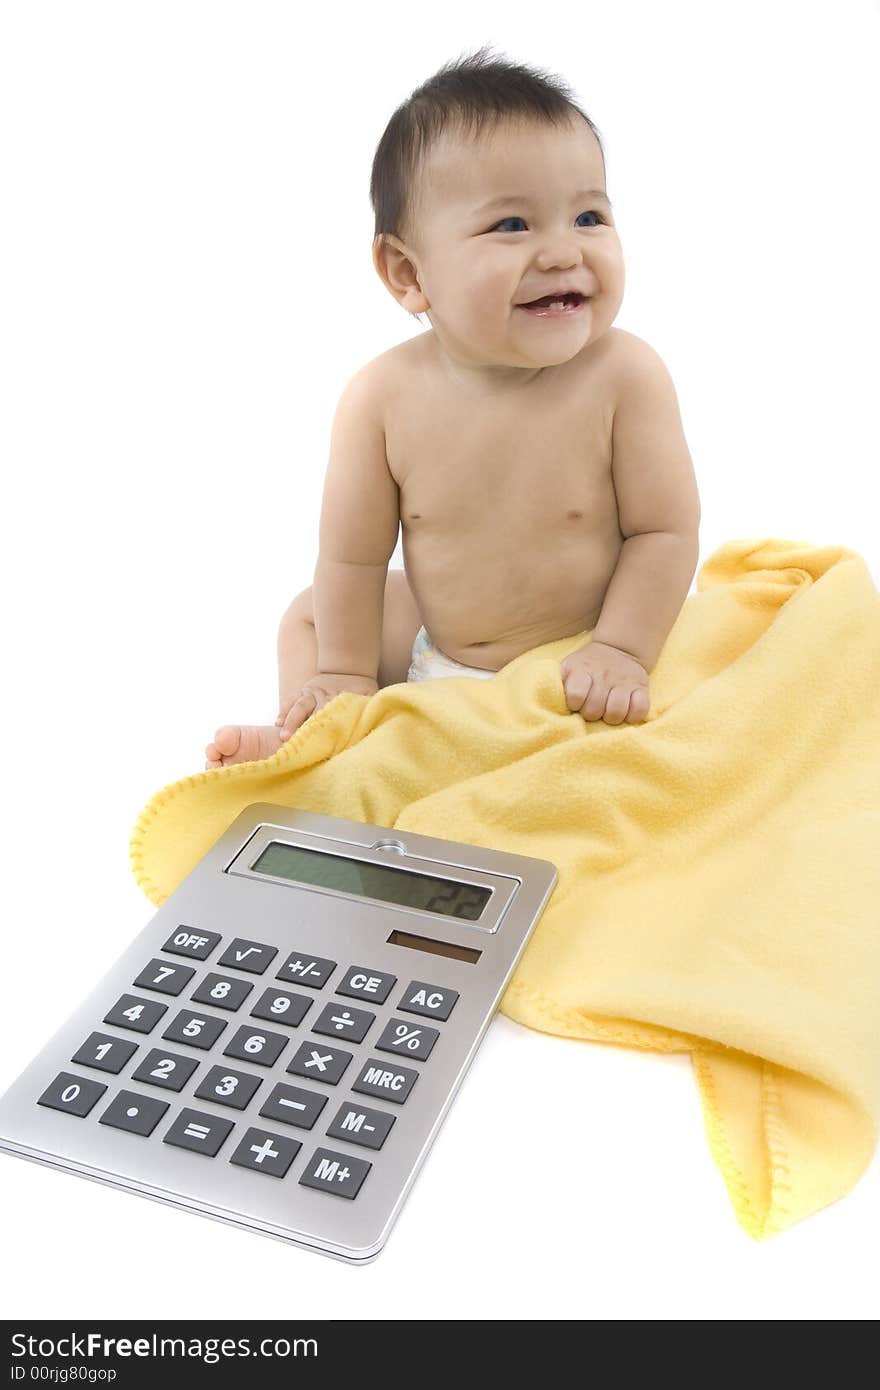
[75,1094]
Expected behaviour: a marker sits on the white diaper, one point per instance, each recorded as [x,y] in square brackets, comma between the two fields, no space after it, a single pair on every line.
[428,662]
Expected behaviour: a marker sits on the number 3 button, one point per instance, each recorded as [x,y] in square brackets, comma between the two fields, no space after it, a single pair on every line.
[227,1087]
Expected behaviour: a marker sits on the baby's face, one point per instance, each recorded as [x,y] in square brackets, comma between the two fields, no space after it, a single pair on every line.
[506,220]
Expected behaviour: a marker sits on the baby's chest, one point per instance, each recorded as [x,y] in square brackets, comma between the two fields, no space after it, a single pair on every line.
[530,477]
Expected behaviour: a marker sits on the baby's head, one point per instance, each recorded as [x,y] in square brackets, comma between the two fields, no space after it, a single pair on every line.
[488,192]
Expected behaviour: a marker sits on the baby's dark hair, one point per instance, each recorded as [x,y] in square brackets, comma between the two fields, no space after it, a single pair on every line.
[469,93]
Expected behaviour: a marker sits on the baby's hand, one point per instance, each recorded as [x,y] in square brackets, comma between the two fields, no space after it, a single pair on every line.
[316,693]
[603,682]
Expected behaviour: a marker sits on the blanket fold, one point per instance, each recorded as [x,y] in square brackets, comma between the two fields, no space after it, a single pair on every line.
[719,875]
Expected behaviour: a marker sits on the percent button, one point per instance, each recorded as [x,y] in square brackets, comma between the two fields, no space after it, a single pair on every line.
[409,1039]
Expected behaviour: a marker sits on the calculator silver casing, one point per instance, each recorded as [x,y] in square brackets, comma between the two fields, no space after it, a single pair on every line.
[221,894]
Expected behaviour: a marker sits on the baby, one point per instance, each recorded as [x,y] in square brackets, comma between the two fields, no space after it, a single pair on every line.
[532,453]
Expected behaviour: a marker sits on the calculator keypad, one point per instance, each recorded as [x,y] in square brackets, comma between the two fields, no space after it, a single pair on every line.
[292,1106]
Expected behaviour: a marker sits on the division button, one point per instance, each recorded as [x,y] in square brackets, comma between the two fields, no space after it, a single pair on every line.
[415,1040]
[164,977]
[222,992]
[138,1114]
[252,956]
[304,969]
[188,941]
[359,1125]
[226,1087]
[280,1006]
[378,1078]
[75,1094]
[336,1021]
[335,1172]
[267,1153]
[320,1062]
[294,1106]
[166,1069]
[198,1030]
[104,1052]
[361,983]
[141,1015]
[430,1000]
[257,1045]
[194,1129]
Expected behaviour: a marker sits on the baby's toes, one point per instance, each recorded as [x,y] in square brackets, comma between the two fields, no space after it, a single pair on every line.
[227,742]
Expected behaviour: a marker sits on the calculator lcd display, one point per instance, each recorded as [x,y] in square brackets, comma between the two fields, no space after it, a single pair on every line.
[378,881]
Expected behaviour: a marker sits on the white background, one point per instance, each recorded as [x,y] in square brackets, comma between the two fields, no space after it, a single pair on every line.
[186,288]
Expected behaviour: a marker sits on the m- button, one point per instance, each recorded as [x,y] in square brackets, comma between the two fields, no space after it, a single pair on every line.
[429,1000]
[361,983]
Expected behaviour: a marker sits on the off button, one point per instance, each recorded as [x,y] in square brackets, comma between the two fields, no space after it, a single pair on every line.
[429,1000]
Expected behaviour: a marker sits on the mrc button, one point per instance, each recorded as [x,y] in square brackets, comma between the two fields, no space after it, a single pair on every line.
[392,1083]
[188,941]
[429,1000]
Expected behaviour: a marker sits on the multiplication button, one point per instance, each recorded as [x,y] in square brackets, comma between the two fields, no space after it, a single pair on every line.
[187,941]
[429,1000]
[334,1172]
[313,971]
[320,1062]
[377,1079]
[361,983]
[251,956]
[415,1039]
[266,1153]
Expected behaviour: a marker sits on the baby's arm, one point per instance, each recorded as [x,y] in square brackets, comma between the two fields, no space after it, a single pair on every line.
[659,515]
[360,520]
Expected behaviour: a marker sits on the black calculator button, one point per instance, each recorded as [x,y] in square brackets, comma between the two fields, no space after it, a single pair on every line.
[361,983]
[267,1153]
[320,1062]
[430,1000]
[251,956]
[166,1069]
[195,1130]
[222,992]
[197,1030]
[189,941]
[105,1052]
[334,1172]
[256,1045]
[138,1114]
[226,1087]
[164,977]
[280,1006]
[141,1015]
[293,1106]
[338,1022]
[304,969]
[377,1078]
[75,1094]
[413,1040]
[358,1125]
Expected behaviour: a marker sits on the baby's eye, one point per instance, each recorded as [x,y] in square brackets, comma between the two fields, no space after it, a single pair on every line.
[500,224]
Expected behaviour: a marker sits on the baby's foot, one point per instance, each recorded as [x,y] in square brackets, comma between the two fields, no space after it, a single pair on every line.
[243,743]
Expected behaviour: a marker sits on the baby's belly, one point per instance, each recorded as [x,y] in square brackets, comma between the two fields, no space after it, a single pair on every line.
[484,607]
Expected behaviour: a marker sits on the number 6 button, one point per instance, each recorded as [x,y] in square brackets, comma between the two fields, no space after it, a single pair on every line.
[256,1045]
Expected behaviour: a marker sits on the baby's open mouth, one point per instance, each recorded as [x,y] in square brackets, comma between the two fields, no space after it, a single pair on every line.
[555,304]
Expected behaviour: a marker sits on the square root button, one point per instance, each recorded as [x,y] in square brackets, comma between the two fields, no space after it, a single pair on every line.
[382,1079]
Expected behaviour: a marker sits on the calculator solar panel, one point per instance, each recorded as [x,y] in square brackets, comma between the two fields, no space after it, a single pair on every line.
[278,1046]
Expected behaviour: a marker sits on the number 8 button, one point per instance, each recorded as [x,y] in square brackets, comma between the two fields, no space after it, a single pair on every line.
[222,992]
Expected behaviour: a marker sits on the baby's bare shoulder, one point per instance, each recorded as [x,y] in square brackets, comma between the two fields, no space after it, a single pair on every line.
[632,361]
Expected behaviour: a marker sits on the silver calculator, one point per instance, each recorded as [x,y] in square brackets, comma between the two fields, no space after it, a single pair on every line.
[279,1045]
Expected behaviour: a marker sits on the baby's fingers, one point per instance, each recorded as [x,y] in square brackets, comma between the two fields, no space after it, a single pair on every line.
[298,713]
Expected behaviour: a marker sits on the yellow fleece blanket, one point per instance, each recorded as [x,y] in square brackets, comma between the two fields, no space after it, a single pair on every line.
[719,873]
